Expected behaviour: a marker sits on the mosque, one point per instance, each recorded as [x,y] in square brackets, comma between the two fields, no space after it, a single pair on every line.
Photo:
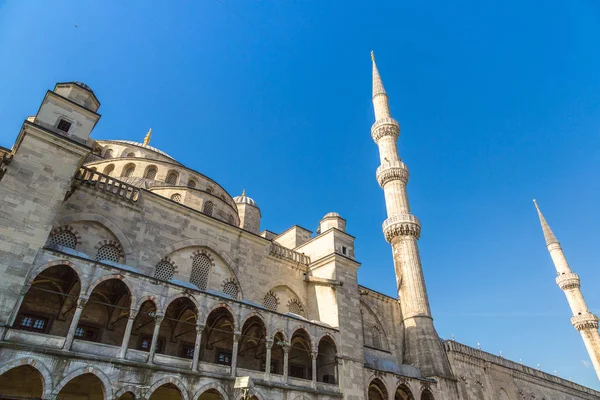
[126,275]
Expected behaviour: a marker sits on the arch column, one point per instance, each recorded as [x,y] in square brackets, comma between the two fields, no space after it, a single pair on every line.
[199,329]
[81,301]
[234,353]
[314,355]
[127,335]
[286,353]
[268,345]
[158,320]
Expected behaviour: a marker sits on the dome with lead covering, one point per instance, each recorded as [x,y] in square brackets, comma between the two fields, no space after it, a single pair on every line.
[332,214]
[243,199]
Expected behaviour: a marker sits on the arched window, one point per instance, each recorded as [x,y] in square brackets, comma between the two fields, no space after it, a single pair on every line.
[231,288]
[176,197]
[128,170]
[172,177]
[375,337]
[109,169]
[164,270]
[191,184]
[150,172]
[108,252]
[208,208]
[201,266]
[209,190]
[295,307]
[108,154]
[130,154]
[64,238]
[270,302]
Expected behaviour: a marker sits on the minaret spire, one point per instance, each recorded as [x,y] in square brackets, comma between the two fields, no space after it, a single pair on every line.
[583,320]
[147,138]
[422,346]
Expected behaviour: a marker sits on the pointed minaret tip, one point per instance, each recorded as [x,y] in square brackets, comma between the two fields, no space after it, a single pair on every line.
[377,82]
[548,234]
[372,56]
[147,138]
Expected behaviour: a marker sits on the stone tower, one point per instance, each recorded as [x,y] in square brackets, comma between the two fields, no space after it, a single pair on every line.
[583,320]
[422,346]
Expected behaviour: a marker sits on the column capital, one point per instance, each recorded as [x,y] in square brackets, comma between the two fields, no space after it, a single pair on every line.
[236,336]
[269,343]
[286,348]
[314,354]
[158,318]
[82,301]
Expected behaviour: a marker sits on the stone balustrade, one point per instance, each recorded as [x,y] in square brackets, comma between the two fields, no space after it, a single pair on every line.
[585,321]
[279,251]
[392,170]
[90,177]
[401,225]
[568,281]
[385,127]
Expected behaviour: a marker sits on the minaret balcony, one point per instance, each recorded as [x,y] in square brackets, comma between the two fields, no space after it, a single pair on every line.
[401,225]
[385,127]
[585,321]
[568,281]
[392,170]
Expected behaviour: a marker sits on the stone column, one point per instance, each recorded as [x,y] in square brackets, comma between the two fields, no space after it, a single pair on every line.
[314,355]
[286,352]
[75,322]
[127,335]
[268,345]
[157,321]
[199,329]
[234,352]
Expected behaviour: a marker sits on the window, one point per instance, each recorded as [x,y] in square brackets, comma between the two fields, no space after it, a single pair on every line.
[223,357]
[270,302]
[329,379]
[108,252]
[164,271]
[150,173]
[63,125]
[273,366]
[32,323]
[231,289]
[209,190]
[191,184]
[128,170]
[65,239]
[130,154]
[187,350]
[109,169]
[108,154]
[176,197]
[89,333]
[208,208]
[172,178]
[146,342]
[295,307]
[297,371]
[344,250]
[201,266]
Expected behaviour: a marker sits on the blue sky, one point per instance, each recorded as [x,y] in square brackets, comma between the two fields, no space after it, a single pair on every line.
[498,103]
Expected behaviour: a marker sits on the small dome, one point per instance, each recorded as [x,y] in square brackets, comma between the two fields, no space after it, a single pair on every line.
[332,214]
[83,85]
[243,199]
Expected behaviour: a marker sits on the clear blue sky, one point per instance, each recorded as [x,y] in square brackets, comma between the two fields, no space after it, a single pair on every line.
[498,103]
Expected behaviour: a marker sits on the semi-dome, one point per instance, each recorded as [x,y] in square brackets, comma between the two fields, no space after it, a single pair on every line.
[243,199]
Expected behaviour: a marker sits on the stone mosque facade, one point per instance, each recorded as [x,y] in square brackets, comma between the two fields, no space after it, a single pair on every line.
[126,275]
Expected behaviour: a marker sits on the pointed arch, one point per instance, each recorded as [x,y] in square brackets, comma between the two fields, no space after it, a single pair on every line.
[131,389]
[377,390]
[113,276]
[211,386]
[106,385]
[168,380]
[380,326]
[39,366]
[107,223]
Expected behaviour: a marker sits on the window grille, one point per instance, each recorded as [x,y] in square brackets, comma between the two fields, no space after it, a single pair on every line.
[164,271]
[65,239]
[208,208]
[270,302]
[176,197]
[172,178]
[109,169]
[108,154]
[191,184]
[32,323]
[150,173]
[63,125]
[209,190]
[128,171]
[295,307]
[231,289]
[108,252]
[201,266]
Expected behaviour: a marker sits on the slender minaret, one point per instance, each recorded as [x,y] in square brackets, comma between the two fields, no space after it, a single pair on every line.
[583,320]
[422,346]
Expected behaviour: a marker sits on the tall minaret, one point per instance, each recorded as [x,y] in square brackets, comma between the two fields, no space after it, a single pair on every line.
[583,320]
[422,346]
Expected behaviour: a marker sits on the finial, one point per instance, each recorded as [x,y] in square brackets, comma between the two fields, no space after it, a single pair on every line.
[372,56]
[479,345]
[521,361]
[147,138]
[453,337]
[243,192]
[501,355]
[536,205]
